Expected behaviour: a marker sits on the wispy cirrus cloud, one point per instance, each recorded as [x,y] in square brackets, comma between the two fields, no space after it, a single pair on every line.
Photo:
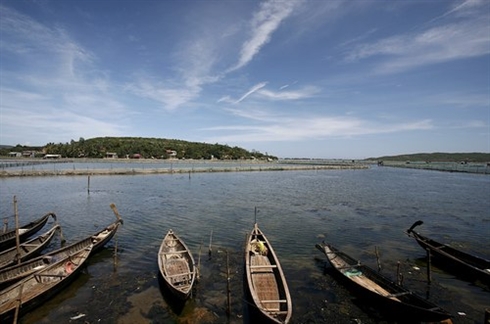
[305,92]
[465,8]
[468,37]
[260,92]
[264,23]
[274,128]
[254,89]
[197,60]
[53,86]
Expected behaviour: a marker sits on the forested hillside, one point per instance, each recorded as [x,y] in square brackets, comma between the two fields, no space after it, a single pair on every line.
[160,148]
[437,157]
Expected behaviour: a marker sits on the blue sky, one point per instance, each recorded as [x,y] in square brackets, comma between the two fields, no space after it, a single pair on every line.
[318,79]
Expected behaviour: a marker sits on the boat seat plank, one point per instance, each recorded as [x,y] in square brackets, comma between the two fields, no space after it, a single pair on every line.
[265,284]
[180,274]
[263,266]
[174,252]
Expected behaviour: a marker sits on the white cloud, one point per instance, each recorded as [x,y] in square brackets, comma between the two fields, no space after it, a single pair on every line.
[452,41]
[169,96]
[52,88]
[306,92]
[272,128]
[263,25]
[261,92]
[255,88]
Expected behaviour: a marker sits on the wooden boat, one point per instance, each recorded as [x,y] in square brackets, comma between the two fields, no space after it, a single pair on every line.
[7,239]
[28,249]
[176,265]
[381,292]
[16,272]
[35,289]
[265,279]
[465,265]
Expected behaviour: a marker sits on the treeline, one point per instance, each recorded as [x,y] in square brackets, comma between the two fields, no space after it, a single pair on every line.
[437,157]
[157,148]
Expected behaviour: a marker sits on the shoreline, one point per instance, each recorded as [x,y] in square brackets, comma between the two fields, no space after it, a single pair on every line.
[141,171]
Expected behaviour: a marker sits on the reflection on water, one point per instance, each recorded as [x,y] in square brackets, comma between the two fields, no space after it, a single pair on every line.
[356,210]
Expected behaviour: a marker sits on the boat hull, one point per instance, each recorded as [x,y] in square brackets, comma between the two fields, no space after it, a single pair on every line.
[176,265]
[37,288]
[376,290]
[266,283]
[15,273]
[463,265]
[28,249]
[7,240]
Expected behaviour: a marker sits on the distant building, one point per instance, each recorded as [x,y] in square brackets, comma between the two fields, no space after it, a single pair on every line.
[52,156]
[15,154]
[29,154]
[136,156]
[171,153]
[110,155]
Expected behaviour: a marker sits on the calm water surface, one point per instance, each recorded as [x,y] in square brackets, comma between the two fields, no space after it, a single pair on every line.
[355,210]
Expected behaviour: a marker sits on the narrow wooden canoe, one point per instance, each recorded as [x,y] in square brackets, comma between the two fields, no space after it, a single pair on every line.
[265,279]
[464,265]
[7,239]
[176,265]
[37,288]
[28,249]
[381,292]
[17,272]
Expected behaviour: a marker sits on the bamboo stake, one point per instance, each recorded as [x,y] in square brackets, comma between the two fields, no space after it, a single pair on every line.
[119,218]
[377,258]
[228,308]
[115,252]
[429,276]
[88,185]
[17,238]
[5,224]
[210,243]
[398,273]
[199,263]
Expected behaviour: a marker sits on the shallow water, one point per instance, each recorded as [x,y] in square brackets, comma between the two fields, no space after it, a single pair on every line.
[355,210]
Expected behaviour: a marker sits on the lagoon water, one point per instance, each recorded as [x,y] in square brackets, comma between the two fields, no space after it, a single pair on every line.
[355,210]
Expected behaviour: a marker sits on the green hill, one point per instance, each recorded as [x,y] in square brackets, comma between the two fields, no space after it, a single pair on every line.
[158,148]
[437,157]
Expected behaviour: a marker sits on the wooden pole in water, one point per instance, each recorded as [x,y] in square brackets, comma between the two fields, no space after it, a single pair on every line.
[228,307]
[429,276]
[210,242]
[115,252]
[377,258]
[17,238]
[114,210]
[88,185]
[199,263]
[398,273]
[5,224]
